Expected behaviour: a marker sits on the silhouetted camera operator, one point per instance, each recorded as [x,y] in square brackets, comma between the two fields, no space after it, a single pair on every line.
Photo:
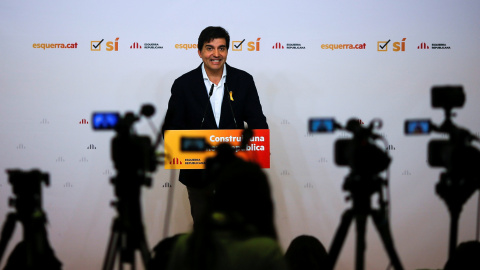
[236,232]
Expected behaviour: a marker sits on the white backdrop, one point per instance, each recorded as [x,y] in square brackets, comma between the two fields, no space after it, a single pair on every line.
[46,93]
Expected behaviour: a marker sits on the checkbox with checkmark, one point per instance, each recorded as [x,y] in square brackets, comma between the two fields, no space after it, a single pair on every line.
[382,46]
[95,45]
[237,45]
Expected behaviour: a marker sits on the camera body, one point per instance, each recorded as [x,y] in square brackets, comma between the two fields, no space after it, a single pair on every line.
[456,153]
[131,153]
[360,153]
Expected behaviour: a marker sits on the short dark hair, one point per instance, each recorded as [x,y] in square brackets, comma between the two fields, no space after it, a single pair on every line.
[212,32]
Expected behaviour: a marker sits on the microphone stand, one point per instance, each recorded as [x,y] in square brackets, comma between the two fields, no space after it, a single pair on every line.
[206,108]
[230,103]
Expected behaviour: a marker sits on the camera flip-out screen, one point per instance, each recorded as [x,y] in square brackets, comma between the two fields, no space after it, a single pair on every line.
[321,125]
[105,120]
[420,126]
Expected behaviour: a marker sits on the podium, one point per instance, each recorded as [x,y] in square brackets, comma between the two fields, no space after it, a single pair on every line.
[257,150]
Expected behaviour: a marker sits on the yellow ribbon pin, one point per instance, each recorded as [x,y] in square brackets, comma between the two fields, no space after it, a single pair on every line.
[231,96]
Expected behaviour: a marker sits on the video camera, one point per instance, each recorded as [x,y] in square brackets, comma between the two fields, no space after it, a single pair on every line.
[131,153]
[360,153]
[456,153]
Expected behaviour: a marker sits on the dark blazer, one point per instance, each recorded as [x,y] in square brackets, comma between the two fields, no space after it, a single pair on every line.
[189,102]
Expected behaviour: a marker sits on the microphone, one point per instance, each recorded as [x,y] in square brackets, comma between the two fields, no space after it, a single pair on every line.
[205,112]
[230,103]
[147,110]
[211,92]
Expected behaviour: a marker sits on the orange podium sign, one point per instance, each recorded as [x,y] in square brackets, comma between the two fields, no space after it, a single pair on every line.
[258,149]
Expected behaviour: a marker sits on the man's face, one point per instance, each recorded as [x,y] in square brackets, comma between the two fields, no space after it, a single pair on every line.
[214,54]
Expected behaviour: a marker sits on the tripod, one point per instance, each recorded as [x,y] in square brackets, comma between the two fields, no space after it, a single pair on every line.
[34,252]
[361,189]
[134,159]
[128,234]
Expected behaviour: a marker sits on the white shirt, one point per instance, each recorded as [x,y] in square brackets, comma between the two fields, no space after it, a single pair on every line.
[218,91]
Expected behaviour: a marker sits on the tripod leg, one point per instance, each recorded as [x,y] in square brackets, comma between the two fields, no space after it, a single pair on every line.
[454,217]
[383,228]
[145,252]
[339,238]
[361,222]
[112,247]
[7,231]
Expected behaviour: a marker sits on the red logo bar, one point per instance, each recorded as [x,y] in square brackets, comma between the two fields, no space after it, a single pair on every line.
[135,46]
[423,45]
[278,45]
[175,161]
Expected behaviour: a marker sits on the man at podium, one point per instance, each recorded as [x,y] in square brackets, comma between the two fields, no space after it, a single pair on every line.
[212,96]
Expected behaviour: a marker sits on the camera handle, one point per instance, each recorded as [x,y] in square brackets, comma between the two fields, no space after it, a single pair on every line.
[360,210]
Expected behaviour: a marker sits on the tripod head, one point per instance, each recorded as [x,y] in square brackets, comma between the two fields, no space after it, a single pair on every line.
[27,188]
